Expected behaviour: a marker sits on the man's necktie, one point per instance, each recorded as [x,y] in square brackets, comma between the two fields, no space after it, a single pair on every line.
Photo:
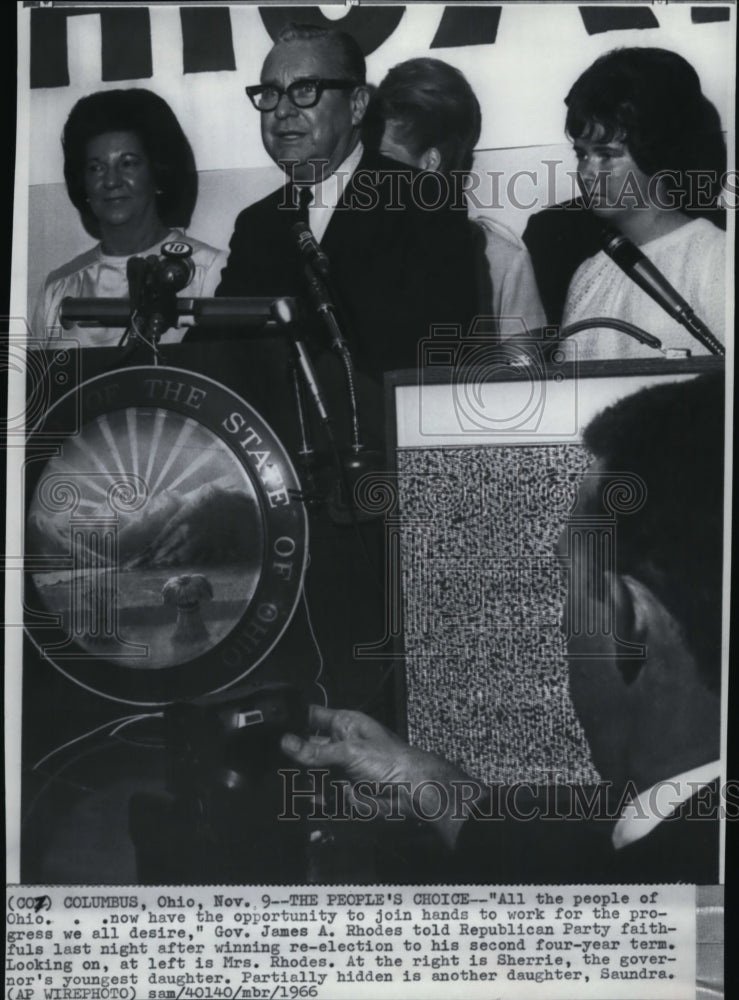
[305,198]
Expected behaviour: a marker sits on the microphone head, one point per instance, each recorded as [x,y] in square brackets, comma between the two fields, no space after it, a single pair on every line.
[309,247]
[176,268]
[306,241]
[620,248]
[136,273]
[135,267]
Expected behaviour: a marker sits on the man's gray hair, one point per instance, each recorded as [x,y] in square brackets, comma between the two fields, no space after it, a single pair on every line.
[352,58]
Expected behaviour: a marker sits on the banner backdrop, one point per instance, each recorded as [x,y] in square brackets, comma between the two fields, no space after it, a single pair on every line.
[521,60]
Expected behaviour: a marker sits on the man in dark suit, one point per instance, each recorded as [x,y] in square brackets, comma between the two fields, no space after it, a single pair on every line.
[399,259]
[400,256]
[644,644]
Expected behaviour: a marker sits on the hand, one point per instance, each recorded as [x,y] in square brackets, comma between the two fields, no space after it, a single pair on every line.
[355,744]
[363,750]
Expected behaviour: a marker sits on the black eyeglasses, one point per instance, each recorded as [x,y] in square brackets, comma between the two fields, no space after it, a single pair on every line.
[305,93]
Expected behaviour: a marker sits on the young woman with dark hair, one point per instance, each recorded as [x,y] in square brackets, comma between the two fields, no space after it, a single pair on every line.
[651,159]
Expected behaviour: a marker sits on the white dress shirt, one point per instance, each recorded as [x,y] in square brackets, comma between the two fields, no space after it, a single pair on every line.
[327,194]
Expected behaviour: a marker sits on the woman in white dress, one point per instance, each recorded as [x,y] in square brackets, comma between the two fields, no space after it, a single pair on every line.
[650,158]
[130,173]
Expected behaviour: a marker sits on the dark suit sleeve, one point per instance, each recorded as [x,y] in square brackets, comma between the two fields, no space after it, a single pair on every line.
[235,275]
[400,266]
[561,834]
[397,266]
[534,834]
[262,259]
[559,239]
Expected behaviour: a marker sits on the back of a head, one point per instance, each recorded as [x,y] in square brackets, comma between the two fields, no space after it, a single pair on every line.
[432,105]
[345,46]
[148,116]
[651,98]
[672,437]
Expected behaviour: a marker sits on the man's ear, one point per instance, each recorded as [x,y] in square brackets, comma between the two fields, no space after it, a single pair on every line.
[431,159]
[633,616]
[640,608]
[360,99]
[642,618]
[669,663]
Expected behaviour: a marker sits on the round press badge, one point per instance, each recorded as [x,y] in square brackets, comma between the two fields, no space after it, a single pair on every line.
[166,541]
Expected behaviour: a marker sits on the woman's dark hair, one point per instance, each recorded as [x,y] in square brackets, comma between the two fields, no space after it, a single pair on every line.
[432,104]
[153,121]
[652,99]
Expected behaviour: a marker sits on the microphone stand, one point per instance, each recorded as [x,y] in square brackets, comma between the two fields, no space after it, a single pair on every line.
[614,324]
[352,467]
[300,364]
[139,273]
[546,346]
[316,267]
[325,309]
[311,496]
[153,302]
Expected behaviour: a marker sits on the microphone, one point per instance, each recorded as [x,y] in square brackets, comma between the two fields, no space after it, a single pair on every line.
[650,279]
[153,283]
[310,249]
[175,269]
[316,272]
[136,272]
[316,277]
